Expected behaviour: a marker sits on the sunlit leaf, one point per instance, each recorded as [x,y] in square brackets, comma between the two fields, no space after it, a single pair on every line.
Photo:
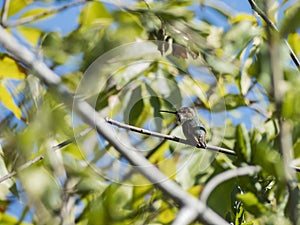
[35,11]
[94,13]
[251,203]
[9,68]
[17,5]
[166,216]
[7,219]
[243,17]
[294,41]
[32,35]
[7,100]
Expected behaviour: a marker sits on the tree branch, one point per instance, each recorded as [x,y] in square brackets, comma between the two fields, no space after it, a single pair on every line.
[29,19]
[90,116]
[273,26]
[165,136]
[285,137]
[227,175]
[185,216]
[41,157]
[4,12]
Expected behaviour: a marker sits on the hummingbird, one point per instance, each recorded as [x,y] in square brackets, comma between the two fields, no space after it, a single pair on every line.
[192,128]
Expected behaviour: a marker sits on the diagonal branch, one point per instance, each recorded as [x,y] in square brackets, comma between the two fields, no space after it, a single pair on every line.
[41,157]
[262,14]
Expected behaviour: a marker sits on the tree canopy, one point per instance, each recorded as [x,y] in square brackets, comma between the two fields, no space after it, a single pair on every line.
[65,66]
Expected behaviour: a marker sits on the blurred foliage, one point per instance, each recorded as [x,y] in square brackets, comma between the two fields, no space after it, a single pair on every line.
[221,69]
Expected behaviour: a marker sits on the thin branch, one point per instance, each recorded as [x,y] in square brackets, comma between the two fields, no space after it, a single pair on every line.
[32,18]
[263,15]
[4,11]
[24,166]
[227,175]
[166,136]
[90,116]
[39,158]
[177,139]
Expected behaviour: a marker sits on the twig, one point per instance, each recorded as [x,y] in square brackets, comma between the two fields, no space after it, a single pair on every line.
[273,26]
[39,158]
[227,175]
[90,116]
[32,18]
[4,11]
[24,166]
[166,136]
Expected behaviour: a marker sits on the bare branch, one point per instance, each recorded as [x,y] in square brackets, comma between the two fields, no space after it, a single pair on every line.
[4,11]
[90,116]
[32,18]
[39,158]
[273,26]
[227,175]
[165,136]
[24,166]
[185,216]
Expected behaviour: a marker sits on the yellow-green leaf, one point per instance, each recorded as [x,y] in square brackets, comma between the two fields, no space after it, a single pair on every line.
[8,102]
[94,13]
[35,12]
[294,41]
[17,5]
[9,68]
[32,35]
[251,203]
[166,216]
[242,17]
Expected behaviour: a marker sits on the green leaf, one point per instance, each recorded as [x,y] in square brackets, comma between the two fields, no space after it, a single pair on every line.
[291,21]
[294,41]
[251,203]
[7,100]
[156,106]
[9,220]
[134,107]
[53,48]
[94,13]
[243,17]
[242,145]
[233,101]
[290,109]
[9,68]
